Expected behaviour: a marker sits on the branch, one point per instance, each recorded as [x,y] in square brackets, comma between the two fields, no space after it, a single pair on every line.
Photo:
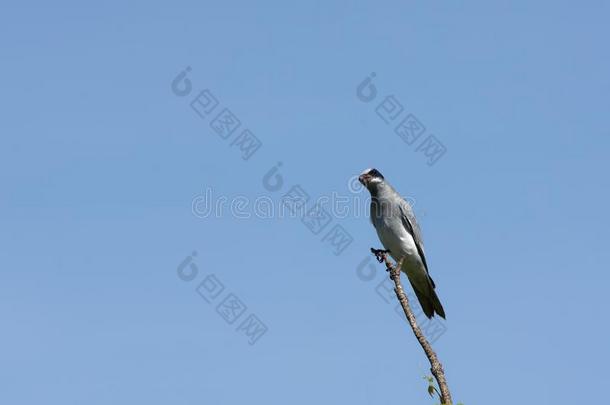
[435,365]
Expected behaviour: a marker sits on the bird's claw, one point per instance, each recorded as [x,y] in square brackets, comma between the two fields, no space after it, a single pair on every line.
[379,254]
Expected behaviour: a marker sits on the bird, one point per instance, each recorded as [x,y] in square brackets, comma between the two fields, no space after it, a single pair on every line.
[399,233]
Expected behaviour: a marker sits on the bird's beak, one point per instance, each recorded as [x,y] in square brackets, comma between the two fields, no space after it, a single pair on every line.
[362,180]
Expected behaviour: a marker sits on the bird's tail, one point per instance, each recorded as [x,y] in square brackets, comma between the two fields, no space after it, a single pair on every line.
[429,300]
[436,303]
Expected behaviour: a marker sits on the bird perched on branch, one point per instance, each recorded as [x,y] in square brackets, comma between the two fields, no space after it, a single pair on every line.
[399,233]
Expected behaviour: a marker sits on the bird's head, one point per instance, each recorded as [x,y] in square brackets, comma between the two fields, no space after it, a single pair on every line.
[371,178]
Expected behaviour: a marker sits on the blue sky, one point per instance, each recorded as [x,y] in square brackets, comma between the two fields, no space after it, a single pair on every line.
[100,162]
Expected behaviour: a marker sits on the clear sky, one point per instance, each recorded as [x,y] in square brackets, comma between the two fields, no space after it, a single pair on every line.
[105,166]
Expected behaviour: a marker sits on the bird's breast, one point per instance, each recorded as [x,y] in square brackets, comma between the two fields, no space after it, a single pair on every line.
[397,240]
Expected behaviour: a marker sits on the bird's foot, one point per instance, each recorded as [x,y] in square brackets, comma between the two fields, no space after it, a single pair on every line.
[379,254]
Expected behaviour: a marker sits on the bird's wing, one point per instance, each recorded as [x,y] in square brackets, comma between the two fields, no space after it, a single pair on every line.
[410,223]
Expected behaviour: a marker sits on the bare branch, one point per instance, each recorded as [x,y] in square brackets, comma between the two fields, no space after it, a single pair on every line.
[436,368]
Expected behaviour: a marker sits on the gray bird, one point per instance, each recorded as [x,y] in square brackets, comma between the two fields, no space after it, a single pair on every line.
[399,233]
